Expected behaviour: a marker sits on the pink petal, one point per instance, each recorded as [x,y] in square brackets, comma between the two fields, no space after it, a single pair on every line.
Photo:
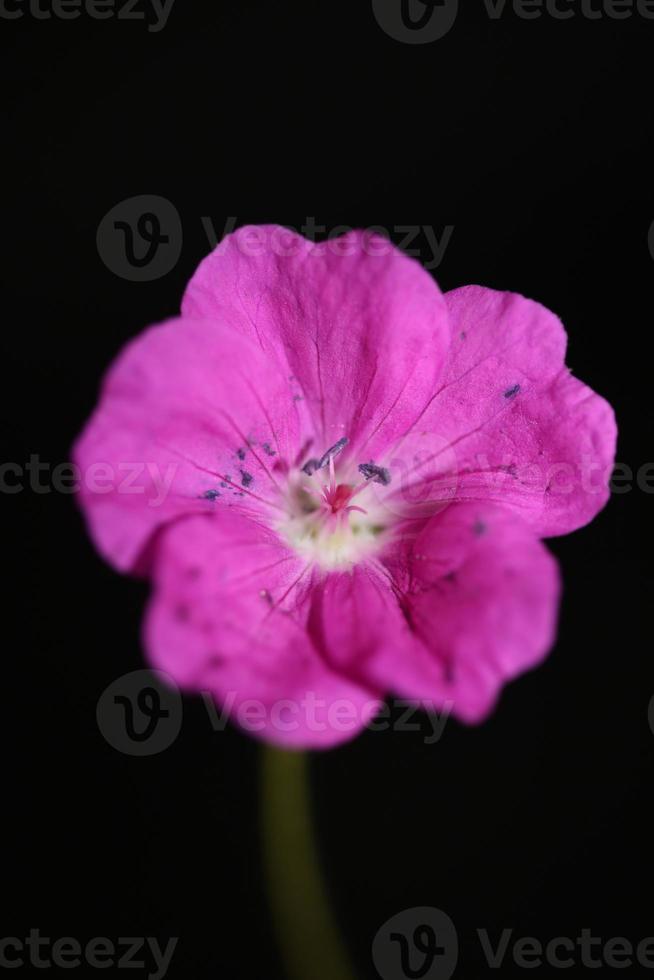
[482,596]
[508,422]
[189,408]
[228,618]
[354,617]
[362,329]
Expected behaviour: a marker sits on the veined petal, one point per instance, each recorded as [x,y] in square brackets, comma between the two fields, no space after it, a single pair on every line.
[228,617]
[481,595]
[354,616]
[509,423]
[192,417]
[361,328]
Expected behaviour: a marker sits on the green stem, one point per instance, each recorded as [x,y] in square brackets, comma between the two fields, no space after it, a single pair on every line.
[308,936]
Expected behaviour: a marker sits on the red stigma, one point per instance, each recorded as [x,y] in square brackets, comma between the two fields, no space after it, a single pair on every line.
[337,498]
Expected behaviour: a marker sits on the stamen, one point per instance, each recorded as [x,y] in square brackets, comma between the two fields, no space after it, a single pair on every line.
[378,474]
[326,524]
[337,448]
[332,475]
[311,466]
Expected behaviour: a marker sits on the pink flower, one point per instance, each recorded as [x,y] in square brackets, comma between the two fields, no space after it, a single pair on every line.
[337,479]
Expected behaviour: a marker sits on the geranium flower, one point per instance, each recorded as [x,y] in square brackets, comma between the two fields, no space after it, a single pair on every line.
[337,479]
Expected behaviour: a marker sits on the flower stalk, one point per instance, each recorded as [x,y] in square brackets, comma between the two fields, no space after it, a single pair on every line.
[309,940]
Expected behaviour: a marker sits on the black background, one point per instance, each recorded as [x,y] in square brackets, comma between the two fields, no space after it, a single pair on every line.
[534,140]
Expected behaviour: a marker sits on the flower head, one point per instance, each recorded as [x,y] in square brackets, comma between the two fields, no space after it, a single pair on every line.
[337,479]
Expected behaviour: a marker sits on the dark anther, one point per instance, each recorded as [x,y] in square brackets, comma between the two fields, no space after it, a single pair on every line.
[210,495]
[246,478]
[337,448]
[312,465]
[512,392]
[378,474]
[268,450]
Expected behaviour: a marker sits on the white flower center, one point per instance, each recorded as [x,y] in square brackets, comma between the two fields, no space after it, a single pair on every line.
[326,524]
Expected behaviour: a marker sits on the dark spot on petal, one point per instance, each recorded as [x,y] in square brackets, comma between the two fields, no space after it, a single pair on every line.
[450,577]
[268,450]
[298,398]
[246,478]
[479,529]
[512,392]
[511,469]
[266,596]
[240,453]
[463,335]
[210,494]
[378,474]
[224,485]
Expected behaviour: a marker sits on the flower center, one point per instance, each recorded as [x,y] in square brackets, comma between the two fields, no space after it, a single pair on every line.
[325,525]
